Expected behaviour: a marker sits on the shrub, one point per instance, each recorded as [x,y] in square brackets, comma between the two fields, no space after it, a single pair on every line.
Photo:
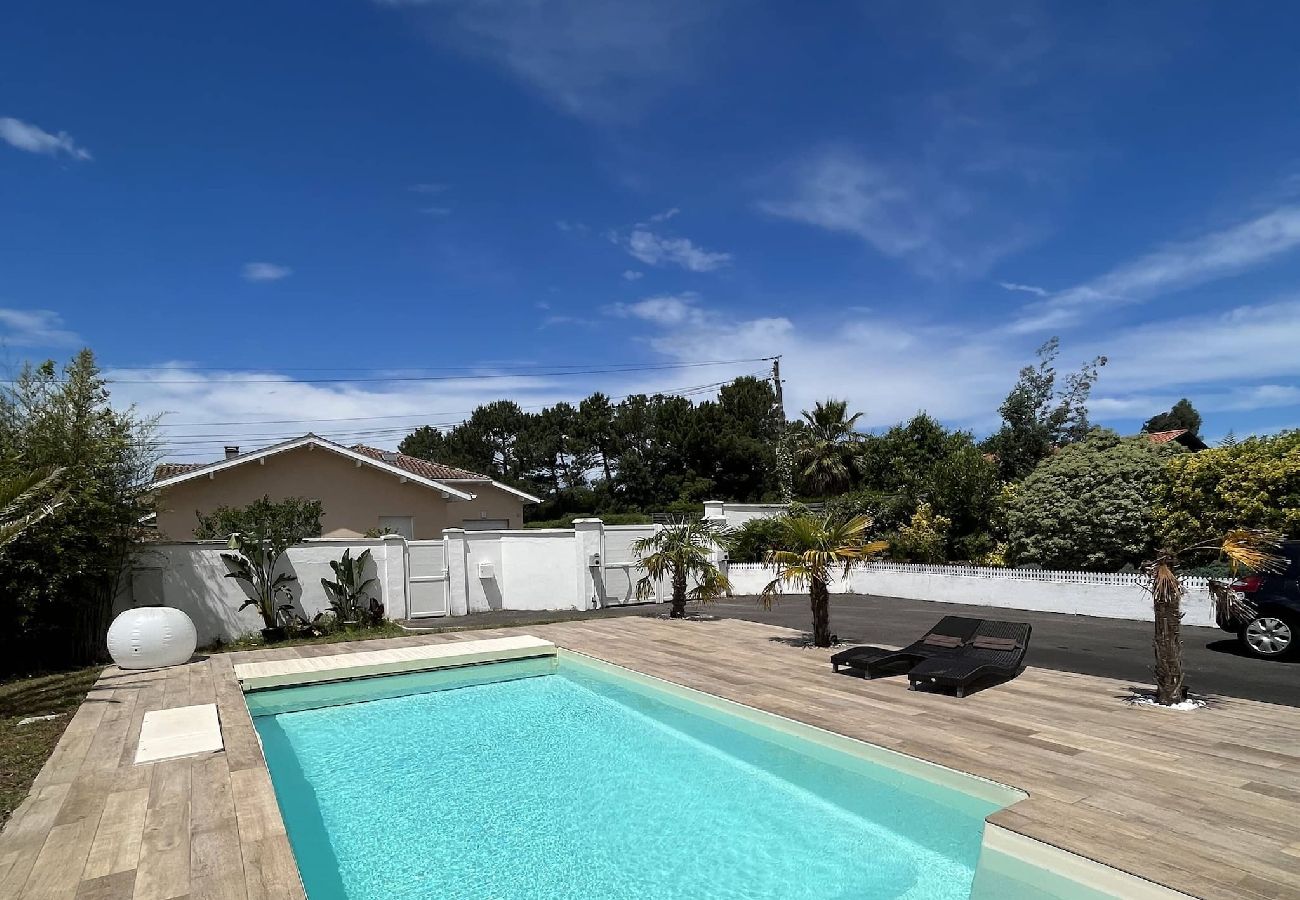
[1252,484]
[751,541]
[1088,506]
[923,539]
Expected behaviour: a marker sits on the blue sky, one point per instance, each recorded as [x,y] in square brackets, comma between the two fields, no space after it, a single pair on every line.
[231,202]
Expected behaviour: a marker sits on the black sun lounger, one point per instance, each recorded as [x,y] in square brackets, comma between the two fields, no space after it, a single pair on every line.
[995,652]
[944,639]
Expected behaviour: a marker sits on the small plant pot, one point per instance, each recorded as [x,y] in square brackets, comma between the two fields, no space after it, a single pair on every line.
[275,635]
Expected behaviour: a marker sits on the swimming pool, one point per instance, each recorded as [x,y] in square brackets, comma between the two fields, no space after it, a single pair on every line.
[572,778]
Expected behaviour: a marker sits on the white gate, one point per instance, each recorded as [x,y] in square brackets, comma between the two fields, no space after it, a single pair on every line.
[428,593]
[621,569]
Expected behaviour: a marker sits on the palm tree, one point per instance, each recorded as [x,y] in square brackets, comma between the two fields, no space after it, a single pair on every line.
[1244,549]
[815,548]
[826,454]
[27,498]
[683,550]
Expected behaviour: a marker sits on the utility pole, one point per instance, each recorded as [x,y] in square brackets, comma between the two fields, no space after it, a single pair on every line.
[784,463]
[776,386]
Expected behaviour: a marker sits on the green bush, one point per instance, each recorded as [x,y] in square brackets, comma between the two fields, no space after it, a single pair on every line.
[1252,484]
[1088,506]
[751,541]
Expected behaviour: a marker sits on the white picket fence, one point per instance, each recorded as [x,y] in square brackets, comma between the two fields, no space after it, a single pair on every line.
[1115,596]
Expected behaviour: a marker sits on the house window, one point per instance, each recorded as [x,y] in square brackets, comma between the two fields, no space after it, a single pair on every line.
[403,525]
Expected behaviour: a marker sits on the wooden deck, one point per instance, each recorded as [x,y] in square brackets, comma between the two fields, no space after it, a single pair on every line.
[1206,802]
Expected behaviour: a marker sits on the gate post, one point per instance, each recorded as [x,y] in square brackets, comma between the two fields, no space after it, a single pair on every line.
[589,541]
[457,571]
[394,583]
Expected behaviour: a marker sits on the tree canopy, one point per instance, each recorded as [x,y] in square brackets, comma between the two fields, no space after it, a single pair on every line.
[1037,416]
[1181,415]
[1089,505]
[644,452]
[59,575]
[1252,483]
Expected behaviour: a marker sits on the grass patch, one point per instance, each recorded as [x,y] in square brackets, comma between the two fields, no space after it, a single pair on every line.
[254,641]
[24,748]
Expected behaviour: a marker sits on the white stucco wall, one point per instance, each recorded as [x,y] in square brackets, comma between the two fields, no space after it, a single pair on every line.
[191,577]
[1075,593]
[539,570]
[737,514]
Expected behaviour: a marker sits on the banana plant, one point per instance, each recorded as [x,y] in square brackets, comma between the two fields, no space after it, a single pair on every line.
[347,592]
[254,563]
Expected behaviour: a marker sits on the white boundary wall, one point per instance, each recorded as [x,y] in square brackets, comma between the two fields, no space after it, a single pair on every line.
[1078,593]
[736,514]
[588,567]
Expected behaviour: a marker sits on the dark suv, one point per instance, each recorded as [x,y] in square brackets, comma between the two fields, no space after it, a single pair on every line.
[1267,620]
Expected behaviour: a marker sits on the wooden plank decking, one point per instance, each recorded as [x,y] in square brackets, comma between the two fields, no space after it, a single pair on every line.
[1205,802]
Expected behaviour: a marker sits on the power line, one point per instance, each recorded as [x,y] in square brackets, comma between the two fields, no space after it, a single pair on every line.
[605,370]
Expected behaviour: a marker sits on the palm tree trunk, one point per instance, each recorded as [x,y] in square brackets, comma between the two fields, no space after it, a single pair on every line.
[1168,645]
[678,610]
[819,595]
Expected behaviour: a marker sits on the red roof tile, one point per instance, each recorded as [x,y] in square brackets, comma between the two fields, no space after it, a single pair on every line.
[171,470]
[421,467]
[1164,437]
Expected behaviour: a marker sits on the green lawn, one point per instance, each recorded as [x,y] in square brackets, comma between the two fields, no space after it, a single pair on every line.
[24,748]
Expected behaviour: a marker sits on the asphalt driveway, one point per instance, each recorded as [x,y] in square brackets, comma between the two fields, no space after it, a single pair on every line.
[1111,648]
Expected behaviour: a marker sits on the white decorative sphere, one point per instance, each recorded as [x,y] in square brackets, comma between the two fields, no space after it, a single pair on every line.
[151,637]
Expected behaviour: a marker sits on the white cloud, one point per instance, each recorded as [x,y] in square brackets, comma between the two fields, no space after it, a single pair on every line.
[910,213]
[33,139]
[656,250]
[666,310]
[1024,288]
[265,271]
[436,210]
[592,59]
[632,275]
[569,227]
[665,215]
[35,328]
[1172,268]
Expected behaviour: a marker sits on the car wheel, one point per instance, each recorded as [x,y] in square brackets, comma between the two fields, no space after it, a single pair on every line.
[1268,636]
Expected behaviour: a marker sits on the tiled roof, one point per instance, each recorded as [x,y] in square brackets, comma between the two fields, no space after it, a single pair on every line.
[1164,437]
[417,466]
[171,470]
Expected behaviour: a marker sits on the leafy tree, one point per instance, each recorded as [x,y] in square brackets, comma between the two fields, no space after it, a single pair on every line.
[924,539]
[27,497]
[682,551]
[751,541]
[260,535]
[287,522]
[825,455]
[596,429]
[1253,484]
[814,547]
[58,578]
[1036,416]
[1182,415]
[1088,506]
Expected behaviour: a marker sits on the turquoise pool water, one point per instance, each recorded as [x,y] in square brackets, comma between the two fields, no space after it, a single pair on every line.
[571,781]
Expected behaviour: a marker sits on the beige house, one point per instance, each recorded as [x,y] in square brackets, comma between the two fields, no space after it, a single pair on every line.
[361,488]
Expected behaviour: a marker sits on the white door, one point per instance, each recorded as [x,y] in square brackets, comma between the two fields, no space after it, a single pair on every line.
[403,525]
[485,524]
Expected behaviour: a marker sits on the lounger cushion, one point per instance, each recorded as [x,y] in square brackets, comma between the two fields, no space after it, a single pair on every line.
[993,643]
[942,640]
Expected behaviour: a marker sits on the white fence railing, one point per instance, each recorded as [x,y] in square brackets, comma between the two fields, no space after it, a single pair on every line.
[1107,595]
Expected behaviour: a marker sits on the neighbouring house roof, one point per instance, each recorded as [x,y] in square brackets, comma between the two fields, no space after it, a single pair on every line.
[170,470]
[420,466]
[427,469]
[1179,436]
[311,441]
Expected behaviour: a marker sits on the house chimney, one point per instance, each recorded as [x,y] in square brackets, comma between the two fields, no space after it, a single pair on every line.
[232,450]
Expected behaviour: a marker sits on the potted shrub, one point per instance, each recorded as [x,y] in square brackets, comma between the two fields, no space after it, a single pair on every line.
[348,591]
